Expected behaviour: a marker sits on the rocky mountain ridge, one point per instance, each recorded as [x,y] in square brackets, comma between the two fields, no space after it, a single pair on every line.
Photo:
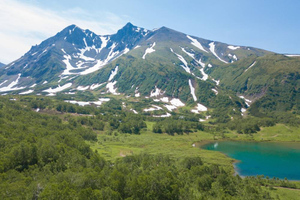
[163,64]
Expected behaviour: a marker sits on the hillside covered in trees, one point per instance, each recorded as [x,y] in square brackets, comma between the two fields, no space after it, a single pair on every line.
[46,156]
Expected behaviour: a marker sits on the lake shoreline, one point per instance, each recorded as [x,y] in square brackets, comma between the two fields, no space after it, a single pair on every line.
[204,142]
[235,161]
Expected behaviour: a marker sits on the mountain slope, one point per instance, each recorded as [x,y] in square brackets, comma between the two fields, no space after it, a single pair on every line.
[74,51]
[272,81]
[163,59]
[162,64]
[2,65]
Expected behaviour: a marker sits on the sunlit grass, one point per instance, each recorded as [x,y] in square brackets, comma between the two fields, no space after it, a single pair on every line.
[279,132]
[179,146]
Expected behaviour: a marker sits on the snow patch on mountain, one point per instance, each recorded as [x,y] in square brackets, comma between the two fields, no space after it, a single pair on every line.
[149,50]
[185,64]
[247,101]
[83,88]
[166,115]
[156,92]
[69,67]
[3,82]
[196,43]
[153,108]
[250,66]
[137,94]
[111,88]
[82,52]
[215,91]
[113,73]
[212,49]
[216,81]
[126,50]
[101,101]
[63,51]
[11,86]
[27,92]
[233,47]
[137,46]
[112,53]
[94,86]
[100,63]
[85,42]
[199,108]
[242,111]
[33,85]
[177,102]
[188,53]
[136,91]
[86,103]
[58,89]
[163,99]
[134,111]
[62,77]
[96,67]
[80,103]
[170,107]
[192,90]
[205,76]
[104,41]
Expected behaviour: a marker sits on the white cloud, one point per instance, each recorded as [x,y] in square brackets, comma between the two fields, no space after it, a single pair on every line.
[24,25]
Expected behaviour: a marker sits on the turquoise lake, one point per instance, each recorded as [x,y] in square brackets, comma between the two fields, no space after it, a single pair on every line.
[262,158]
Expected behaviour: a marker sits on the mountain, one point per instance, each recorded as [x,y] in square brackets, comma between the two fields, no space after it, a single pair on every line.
[164,65]
[2,65]
[271,81]
[72,51]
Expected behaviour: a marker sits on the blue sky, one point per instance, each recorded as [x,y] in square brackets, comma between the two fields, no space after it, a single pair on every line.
[268,24]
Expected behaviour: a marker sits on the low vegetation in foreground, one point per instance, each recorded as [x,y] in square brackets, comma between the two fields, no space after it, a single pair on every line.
[105,153]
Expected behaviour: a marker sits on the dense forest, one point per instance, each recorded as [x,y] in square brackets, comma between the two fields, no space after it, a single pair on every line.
[44,155]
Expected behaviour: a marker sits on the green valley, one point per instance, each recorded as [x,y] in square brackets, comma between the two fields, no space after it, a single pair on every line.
[51,149]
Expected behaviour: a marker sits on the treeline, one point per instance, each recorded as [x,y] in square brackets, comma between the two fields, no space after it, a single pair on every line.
[109,116]
[285,117]
[250,125]
[176,126]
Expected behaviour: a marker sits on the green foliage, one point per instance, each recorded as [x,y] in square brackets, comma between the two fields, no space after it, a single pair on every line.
[43,156]
[273,80]
[178,126]
[132,124]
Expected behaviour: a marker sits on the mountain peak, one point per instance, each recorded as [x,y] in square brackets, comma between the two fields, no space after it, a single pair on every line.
[166,29]
[128,27]
[129,24]
[72,26]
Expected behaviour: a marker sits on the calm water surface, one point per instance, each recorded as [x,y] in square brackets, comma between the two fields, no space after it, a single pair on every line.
[262,158]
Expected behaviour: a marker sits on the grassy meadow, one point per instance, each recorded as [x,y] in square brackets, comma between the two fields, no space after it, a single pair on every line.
[118,145]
